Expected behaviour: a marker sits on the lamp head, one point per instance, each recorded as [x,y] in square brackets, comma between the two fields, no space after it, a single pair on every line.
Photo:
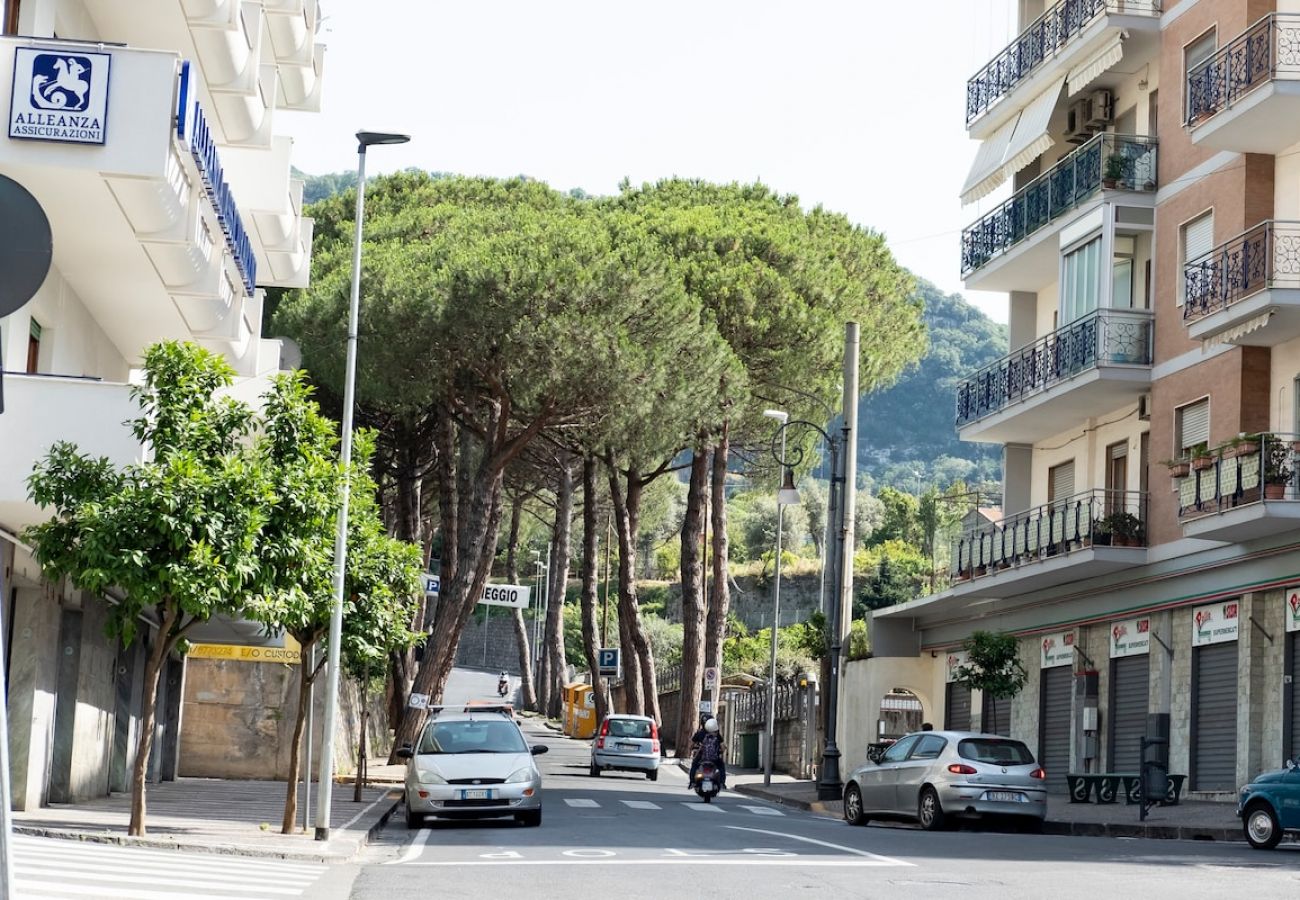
[789,494]
[371,138]
[778,414]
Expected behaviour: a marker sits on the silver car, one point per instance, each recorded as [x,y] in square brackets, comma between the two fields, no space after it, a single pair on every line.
[628,744]
[937,776]
[473,765]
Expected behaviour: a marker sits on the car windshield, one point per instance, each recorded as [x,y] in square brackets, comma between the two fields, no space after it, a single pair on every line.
[995,752]
[472,736]
[629,728]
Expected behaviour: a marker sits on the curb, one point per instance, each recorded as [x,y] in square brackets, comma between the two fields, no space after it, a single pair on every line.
[818,807]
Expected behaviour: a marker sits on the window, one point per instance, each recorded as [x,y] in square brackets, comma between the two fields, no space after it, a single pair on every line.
[1079,282]
[33,347]
[1196,240]
[994,752]
[929,747]
[898,752]
[1153,108]
[1193,425]
[1195,53]
[1060,482]
[1116,477]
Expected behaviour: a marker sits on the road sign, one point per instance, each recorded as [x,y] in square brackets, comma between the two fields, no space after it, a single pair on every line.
[706,706]
[512,595]
[431,583]
[418,701]
[711,678]
[607,661]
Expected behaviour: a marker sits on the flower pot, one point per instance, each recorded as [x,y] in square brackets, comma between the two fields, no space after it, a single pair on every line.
[1247,448]
[1201,463]
[1180,469]
[1110,183]
[1275,491]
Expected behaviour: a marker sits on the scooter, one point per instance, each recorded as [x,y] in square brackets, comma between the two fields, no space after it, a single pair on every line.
[503,688]
[708,781]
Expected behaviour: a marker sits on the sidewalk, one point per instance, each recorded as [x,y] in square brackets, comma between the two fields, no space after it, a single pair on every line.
[1189,820]
[240,818]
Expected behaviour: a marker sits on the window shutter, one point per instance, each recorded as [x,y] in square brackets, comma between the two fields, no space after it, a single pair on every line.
[1198,240]
[1062,478]
[1194,424]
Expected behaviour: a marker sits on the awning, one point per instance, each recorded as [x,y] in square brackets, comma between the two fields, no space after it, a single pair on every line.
[1013,146]
[1236,331]
[1082,76]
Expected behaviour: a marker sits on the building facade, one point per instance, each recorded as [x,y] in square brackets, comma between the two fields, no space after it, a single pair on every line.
[146,132]
[1148,554]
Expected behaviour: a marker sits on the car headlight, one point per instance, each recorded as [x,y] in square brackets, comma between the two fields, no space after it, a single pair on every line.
[427,777]
[520,776]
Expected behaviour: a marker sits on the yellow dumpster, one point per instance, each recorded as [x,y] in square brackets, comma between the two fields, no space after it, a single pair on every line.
[568,694]
[584,712]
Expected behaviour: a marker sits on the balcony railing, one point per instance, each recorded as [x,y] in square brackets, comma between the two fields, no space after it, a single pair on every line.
[1265,257]
[1074,179]
[1253,469]
[1044,37]
[1102,337]
[1092,518]
[1266,50]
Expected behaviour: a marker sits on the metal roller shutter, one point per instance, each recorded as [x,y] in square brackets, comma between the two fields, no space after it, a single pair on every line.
[1054,725]
[996,716]
[956,716]
[1214,718]
[1295,695]
[1129,695]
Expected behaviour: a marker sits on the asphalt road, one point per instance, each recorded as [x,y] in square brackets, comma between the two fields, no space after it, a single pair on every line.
[622,836]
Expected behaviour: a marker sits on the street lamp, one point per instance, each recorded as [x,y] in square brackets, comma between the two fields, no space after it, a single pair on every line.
[364,139]
[786,495]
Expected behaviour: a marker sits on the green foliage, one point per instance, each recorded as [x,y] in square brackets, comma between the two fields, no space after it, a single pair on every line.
[859,641]
[993,664]
[796,649]
[754,515]
[891,573]
[665,639]
[900,519]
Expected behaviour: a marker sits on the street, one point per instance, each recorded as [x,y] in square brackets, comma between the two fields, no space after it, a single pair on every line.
[622,835]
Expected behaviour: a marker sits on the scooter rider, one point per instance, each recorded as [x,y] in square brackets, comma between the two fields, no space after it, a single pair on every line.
[708,748]
[503,685]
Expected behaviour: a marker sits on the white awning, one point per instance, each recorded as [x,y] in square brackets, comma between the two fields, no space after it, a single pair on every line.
[1236,331]
[986,172]
[1082,76]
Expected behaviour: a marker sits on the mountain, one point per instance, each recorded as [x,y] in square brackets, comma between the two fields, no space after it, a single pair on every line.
[909,427]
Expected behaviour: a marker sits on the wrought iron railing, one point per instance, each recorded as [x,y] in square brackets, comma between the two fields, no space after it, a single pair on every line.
[1074,179]
[751,707]
[1267,50]
[1264,257]
[1044,37]
[1102,337]
[1252,468]
[1092,518]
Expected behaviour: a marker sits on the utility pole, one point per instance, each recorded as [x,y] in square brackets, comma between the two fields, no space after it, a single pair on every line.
[6,798]
[604,609]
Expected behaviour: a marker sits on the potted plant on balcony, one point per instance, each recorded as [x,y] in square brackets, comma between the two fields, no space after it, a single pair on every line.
[1114,171]
[1178,468]
[1277,467]
[1242,445]
[1201,457]
[1123,529]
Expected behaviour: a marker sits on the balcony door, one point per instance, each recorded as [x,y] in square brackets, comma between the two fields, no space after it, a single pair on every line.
[1116,477]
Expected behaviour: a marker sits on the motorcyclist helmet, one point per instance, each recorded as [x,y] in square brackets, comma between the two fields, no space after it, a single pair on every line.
[711,726]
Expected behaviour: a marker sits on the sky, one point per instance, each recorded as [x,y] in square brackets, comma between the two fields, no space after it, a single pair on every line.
[856,105]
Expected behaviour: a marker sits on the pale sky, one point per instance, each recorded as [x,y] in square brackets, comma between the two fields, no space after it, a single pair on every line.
[853,104]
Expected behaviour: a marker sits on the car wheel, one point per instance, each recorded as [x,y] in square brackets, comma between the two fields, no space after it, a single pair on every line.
[532,818]
[853,813]
[929,812]
[595,770]
[413,820]
[652,775]
[1261,826]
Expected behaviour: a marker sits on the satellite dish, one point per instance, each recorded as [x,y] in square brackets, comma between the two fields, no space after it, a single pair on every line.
[290,354]
[26,246]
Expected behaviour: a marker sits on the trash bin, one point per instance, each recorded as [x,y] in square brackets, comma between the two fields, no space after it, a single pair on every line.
[584,712]
[749,750]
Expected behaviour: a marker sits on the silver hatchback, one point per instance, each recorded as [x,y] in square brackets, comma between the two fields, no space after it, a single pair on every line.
[626,744]
[936,776]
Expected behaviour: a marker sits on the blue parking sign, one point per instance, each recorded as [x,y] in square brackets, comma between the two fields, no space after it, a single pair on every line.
[607,660]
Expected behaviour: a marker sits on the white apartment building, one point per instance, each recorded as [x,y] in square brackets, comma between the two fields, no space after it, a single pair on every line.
[146,132]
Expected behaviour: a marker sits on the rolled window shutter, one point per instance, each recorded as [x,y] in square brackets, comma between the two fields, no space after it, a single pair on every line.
[1194,424]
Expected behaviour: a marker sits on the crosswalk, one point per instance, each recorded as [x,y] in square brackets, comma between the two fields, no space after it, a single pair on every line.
[694,805]
[56,868]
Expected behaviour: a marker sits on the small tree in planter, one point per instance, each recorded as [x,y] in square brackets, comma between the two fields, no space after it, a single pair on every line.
[1114,171]
[992,665]
[1277,468]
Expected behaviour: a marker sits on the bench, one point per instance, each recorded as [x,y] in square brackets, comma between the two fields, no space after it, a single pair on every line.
[1106,787]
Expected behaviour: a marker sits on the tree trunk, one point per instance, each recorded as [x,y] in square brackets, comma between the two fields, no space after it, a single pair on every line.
[152,671]
[627,515]
[361,739]
[305,677]
[716,627]
[633,702]
[527,696]
[561,553]
[590,562]
[692,601]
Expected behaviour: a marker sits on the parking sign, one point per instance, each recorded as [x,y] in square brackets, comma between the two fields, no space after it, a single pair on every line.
[607,661]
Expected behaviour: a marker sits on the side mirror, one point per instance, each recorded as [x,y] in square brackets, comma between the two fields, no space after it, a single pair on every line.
[1290,764]
[405,752]
[538,749]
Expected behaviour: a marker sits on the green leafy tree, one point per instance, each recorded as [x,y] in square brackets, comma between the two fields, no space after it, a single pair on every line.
[178,536]
[900,521]
[992,664]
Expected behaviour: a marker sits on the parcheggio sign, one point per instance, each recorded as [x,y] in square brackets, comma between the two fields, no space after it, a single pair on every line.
[512,595]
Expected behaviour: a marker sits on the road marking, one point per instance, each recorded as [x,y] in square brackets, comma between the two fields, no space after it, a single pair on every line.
[582,803]
[763,810]
[415,849]
[641,804]
[883,860]
[702,807]
[798,861]
[386,795]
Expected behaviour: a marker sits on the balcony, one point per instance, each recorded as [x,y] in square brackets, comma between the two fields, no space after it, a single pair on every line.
[1089,534]
[1090,367]
[43,409]
[1223,497]
[1083,35]
[1246,291]
[1083,175]
[1246,97]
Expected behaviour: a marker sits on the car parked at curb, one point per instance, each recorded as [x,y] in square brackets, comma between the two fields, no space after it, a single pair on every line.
[1269,807]
[626,744]
[937,777]
[472,765]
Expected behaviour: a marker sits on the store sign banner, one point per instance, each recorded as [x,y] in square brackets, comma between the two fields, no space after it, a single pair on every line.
[1057,650]
[59,94]
[1215,623]
[956,659]
[1131,637]
[1292,613]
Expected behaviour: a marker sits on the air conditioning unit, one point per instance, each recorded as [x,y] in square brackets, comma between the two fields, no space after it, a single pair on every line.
[1102,109]
[1144,407]
[1076,121]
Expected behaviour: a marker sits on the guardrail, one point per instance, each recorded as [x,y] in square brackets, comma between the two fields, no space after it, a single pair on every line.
[1250,469]
[1266,50]
[1261,258]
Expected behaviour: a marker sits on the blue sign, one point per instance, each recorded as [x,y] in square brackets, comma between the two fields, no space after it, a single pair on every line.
[59,96]
[607,661]
[431,583]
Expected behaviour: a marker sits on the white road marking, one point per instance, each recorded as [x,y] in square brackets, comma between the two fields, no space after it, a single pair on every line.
[387,795]
[702,807]
[797,861]
[582,803]
[641,804]
[416,848]
[763,810]
[883,860]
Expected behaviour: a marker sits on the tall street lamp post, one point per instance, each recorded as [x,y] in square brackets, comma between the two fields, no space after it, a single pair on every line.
[364,139]
[785,496]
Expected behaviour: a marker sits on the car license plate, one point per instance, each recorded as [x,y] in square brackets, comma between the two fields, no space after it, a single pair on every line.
[1005,796]
[476,795]
[628,747]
